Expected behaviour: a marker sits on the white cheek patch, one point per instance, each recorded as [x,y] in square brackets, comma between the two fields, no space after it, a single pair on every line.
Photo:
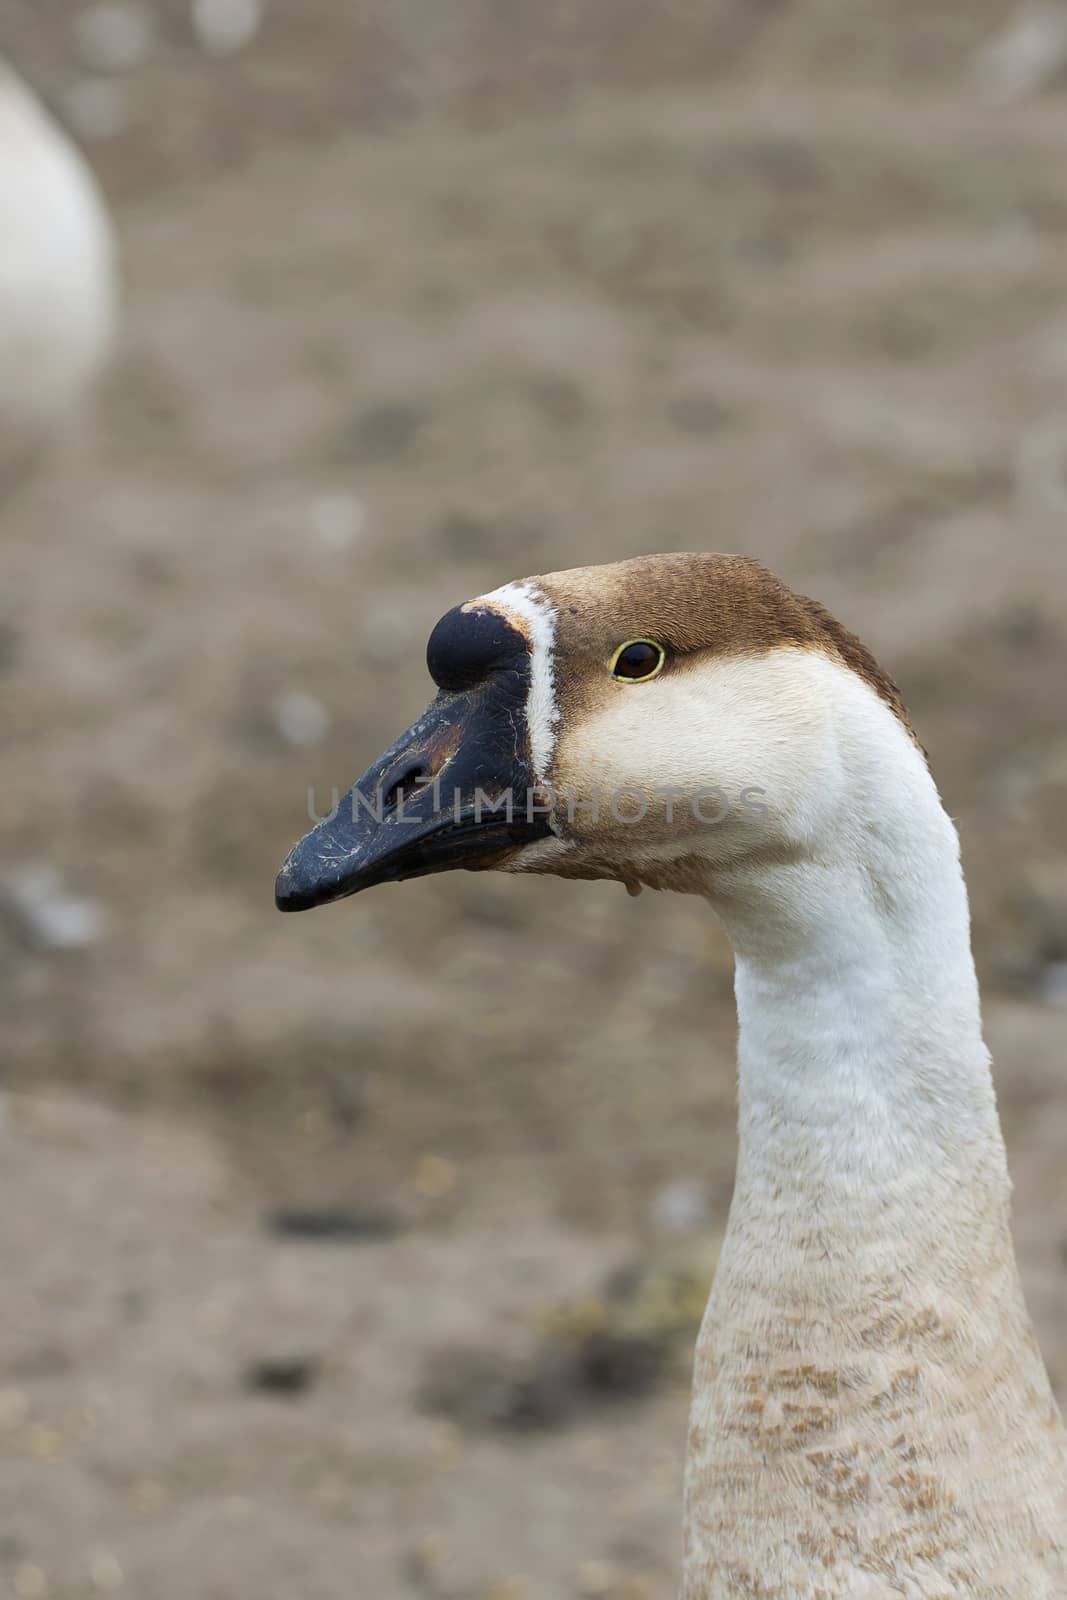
[524,604]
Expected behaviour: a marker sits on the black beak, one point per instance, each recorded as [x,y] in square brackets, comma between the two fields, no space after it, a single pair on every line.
[455,790]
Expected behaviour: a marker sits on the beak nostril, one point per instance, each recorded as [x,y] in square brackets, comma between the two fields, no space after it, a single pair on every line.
[413,775]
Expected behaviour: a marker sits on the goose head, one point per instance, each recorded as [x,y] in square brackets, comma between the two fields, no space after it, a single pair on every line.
[669,721]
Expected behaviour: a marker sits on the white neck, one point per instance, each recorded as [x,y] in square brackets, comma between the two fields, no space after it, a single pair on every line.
[867,1273]
[861,1053]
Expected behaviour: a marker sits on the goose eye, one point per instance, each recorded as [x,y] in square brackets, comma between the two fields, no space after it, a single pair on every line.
[637,660]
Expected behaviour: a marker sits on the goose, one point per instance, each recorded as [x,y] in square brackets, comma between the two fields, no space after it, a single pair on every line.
[870,1413]
[58,275]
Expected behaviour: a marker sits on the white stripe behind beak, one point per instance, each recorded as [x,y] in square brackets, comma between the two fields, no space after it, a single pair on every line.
[527,608]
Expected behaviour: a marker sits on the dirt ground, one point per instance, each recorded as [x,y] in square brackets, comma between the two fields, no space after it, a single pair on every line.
[356,1255]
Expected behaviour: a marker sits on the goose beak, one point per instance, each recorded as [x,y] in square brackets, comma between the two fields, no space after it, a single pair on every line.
[455,790]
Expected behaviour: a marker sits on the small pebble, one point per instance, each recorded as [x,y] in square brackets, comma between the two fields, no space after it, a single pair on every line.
[424,1561]
[300,718]
[223,27]
[50,918]
[113,37]
[97,109]
[105,1573]
[44,1442]
[638,1587]
[595,1578]
[448,1443]
[510,1589]
[332,1226]
[1027,56]
[588,1316]
[680,1207]
[282,1375]
[339,519]
[147,1495]
[1053,983]
[30,1582]
[435,1177]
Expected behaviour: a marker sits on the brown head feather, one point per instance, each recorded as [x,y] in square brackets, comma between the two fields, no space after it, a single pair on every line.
[725,604]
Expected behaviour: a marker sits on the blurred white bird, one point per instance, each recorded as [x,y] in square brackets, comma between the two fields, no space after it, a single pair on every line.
[58,273]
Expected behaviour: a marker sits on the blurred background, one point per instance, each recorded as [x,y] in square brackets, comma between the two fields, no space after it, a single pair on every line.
[361,1254]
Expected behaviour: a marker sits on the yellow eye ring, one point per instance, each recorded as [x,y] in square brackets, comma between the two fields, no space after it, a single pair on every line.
[637,660]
